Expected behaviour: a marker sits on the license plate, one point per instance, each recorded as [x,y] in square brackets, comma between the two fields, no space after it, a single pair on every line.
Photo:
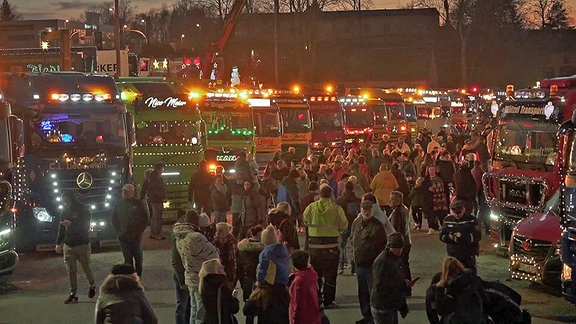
[528,268]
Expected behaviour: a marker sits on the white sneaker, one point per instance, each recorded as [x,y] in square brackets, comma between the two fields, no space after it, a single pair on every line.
[431,231]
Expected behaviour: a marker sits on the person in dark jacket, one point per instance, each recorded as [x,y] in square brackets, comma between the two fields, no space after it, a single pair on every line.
[462,234]
[466,186]
[199,192]
[388,295]
[279,218]
[74,241]
[403,185]
[219,302]
[458,295]
[243,169]
[156,194]
[221,198]
[400,219]
[249,250]
[129,219]
[418,195]
[252,212]
[446,172]
[182,313]
[369,239]
[227,245]
[281,172]
[351,206]
[122,299]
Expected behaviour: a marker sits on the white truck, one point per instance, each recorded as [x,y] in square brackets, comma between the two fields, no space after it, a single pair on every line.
[106,63]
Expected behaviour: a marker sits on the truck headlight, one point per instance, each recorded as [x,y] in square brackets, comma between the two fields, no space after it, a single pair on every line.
[41,214]
[5,232]
[494,217]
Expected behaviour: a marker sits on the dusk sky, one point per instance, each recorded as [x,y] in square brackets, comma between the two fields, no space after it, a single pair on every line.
[54,9]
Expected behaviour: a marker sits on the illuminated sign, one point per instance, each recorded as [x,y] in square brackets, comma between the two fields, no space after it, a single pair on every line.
[255,102]
[226,158]
[170,102]
[42,68]
[523,110]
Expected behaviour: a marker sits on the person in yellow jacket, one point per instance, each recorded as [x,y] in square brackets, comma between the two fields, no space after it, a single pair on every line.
[383,184]
[325,220]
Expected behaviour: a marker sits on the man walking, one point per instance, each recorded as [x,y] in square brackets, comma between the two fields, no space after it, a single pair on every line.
[156,195]
[325,220]
[388,295]
[129,219]
[400,219]
[199,193]
[462,234]
[369,239]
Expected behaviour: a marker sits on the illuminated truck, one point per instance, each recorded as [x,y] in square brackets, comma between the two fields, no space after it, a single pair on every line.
[83,59]
[358,121]
[168,130]
[414,102]
[267,125]
[568,215]
[75,139]
[229,127]
[296,122]
[10,130]
[525,160]
[327,122]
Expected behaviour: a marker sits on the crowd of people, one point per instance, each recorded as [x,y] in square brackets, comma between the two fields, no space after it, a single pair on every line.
[369,198]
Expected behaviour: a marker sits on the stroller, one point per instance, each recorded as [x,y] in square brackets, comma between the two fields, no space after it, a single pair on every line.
[500,303]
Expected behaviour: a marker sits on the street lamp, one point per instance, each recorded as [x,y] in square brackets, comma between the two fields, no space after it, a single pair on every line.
[143,21]
[182,41]
[124,35]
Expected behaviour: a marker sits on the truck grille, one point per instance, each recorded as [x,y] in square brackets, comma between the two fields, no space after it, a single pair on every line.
[514,192]
[531,249]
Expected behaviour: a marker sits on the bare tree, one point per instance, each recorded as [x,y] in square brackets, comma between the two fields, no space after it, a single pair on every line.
[548,14]
[126,11]
[8,12]
[443,7]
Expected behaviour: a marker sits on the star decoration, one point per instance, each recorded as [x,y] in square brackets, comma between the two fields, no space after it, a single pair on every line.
[156,65]
[165,64]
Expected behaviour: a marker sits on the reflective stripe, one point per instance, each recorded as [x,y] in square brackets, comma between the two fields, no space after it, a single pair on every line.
[323,246]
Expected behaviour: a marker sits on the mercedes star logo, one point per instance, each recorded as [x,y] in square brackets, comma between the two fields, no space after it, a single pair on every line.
[84,180]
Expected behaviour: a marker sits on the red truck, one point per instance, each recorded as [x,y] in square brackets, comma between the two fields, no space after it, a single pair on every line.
[327,122]
[526,162]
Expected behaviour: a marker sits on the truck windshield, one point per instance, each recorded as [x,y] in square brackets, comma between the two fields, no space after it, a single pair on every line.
[327,119]
[93,132]
[380,114]
[411,113]
[397,111]
[267,123]
[165,132]
[359,117]
[526,141]
[227,125]
[295,120]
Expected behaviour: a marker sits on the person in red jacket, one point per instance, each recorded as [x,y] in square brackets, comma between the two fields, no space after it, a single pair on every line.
[304,291]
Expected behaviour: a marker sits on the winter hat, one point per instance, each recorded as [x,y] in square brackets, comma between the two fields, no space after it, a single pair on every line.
[269,235]
[204,220]
[395,240]
[122,269]
[457,206]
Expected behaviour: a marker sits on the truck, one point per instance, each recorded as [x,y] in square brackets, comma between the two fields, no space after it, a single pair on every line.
[8,154]
[75,138]
[525,162]
[296,121]
[568,214]
[327,121]
[358,121]
[229,127]
[168,130]
[106,63]
[267,125]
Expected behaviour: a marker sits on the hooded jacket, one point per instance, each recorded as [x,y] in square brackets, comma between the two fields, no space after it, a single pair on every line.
[77,233]
[273,265]
[383,184]
[304,297]
[248,257]
[194,249]
[380,215]
[229,305]
[122,300]
[388,287]
[325,219]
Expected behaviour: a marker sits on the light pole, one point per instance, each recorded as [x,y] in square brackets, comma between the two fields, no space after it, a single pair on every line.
[182,41]
[117,38]
[124,35]
[143,21]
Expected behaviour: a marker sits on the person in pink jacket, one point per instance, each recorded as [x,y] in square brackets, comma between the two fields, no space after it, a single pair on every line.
[383,184]
[304,291]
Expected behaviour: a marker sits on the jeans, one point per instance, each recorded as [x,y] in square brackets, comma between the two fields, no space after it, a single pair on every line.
[237,225]
[247,283]
[182,314]
[325,262]
[72,255]
[156,219]
[132,252]
[364,278]
[417,215]
[381,317]
[195,305]
[204,207]
[344,236]
[219,217]
[406,264]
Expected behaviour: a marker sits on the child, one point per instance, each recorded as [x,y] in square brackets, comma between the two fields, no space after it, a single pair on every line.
[304,291]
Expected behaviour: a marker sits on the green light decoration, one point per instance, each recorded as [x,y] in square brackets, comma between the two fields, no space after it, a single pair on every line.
[238,131]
